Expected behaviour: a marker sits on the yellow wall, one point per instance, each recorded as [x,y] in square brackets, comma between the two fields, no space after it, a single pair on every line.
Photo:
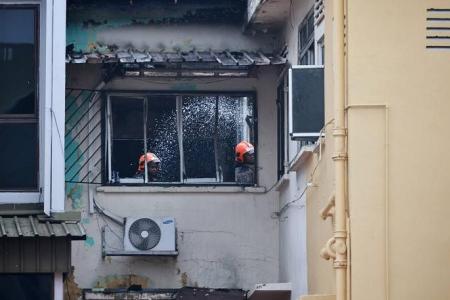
[398,117]
[398,157]
[321,278]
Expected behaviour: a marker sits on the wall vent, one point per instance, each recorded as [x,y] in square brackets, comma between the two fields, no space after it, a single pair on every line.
[319,11]
[438,28]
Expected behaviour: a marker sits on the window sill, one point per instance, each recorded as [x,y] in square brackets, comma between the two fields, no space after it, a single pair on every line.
[282,182]
[302,157]
[181,189]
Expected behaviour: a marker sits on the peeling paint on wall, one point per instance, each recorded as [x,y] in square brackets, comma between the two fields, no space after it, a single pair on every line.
[154,25]
[71,289]
[122,281]
[89,242]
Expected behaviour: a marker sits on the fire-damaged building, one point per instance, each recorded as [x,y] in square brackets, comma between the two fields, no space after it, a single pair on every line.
[160,96]
[240,149]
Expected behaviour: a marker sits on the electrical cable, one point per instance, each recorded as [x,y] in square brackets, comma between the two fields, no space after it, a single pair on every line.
[57,129]
[102,215]
[288,204]
[100,230]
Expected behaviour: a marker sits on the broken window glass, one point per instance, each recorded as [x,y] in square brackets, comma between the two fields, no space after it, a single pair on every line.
[127,135]
[199,131]
[193,136]
[162,136]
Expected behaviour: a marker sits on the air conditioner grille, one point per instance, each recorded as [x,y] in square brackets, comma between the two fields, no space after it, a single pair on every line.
[144,234]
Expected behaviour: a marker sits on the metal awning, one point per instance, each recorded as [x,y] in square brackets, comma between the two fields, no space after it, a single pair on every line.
[36,226]
[190,59]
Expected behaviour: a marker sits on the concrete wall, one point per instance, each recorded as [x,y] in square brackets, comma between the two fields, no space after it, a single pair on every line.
[162,26]
[225,239]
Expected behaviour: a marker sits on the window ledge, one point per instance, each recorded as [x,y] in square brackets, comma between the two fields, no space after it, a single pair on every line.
[302,157]
[181,189]
[282,182]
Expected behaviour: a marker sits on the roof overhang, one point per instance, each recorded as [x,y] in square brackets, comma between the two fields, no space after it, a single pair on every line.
[14,226]
[224,63]
[267,15]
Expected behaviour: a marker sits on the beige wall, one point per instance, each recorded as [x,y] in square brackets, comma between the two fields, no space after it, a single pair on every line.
[398,162]
[397,120]
[398,167]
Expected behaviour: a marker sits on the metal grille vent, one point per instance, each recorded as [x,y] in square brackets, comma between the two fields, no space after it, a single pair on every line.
[319,11]
[438,28]
[144,234]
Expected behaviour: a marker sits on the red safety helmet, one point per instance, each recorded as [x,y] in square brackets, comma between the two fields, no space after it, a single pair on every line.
[149,158]
[242,149]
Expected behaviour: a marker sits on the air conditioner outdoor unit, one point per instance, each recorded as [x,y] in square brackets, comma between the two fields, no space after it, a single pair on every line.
[148,235]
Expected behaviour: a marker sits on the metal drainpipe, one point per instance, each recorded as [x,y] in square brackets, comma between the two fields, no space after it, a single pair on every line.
[340,155]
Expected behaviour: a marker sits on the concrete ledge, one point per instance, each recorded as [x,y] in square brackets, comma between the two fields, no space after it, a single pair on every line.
[282,182]
[271,291]
[318,297]
[180,189]
[302,157]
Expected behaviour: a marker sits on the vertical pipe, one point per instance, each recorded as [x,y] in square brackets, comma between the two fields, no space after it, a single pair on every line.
[145,139]
[340,155]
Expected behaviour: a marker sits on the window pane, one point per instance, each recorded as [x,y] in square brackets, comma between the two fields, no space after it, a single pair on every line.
[162,136]
[127,134]
[17,61]
[199,119]
[18,156]
[26,286]
[235,125]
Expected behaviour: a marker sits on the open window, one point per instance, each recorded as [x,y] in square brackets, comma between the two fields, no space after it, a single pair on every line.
[193,136]
[306,102]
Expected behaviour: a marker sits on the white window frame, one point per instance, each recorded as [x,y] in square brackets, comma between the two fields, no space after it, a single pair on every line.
[51,89]
[206,181]
[304,49]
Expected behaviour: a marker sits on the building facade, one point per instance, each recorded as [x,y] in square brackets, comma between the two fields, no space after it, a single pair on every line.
[345,202]
[365,192]
[36,231]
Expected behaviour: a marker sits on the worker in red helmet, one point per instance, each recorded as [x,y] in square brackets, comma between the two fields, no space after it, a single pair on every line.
[245,161]
[153,166]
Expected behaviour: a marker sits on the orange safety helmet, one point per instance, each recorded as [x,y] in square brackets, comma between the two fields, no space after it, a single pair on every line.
[242,149]
[149,158]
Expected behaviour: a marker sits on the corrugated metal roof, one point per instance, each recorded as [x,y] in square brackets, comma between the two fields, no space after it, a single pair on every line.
[32,226]
[222,58]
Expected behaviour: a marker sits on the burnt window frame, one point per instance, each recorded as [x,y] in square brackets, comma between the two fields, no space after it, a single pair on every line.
[282,140]
[29,118]
[107,94]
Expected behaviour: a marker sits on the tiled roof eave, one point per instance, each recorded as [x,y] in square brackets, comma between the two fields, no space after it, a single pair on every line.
[32,227]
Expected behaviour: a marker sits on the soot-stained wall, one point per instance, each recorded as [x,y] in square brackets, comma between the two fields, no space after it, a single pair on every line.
[161,25]
[226,238]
